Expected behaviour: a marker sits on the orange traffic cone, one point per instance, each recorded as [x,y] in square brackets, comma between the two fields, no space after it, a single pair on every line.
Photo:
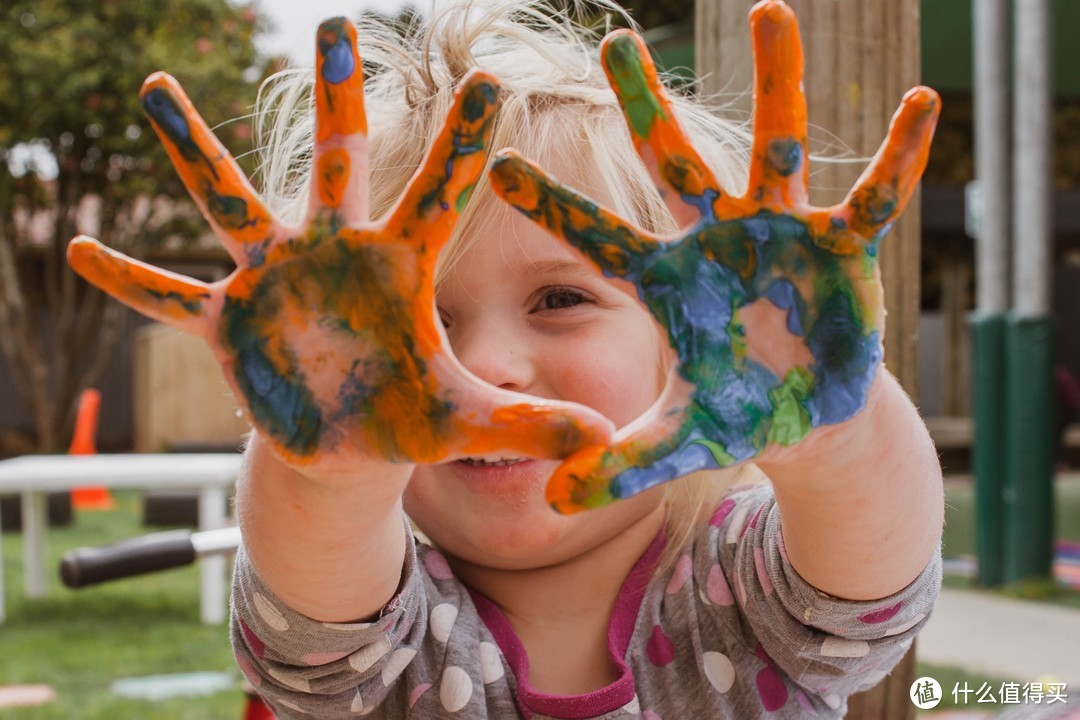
[94,497]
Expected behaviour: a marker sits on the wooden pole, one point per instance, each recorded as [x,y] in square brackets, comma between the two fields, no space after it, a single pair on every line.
[861,57]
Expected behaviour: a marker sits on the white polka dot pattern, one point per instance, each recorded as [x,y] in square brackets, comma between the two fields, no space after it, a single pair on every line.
[296,683]
[294,708]
[442,621]
[396,665]
[738,520]
[270,614]
[490,663]
[906,626]
[719,670]
[844,648]
[365,657]
[455,690]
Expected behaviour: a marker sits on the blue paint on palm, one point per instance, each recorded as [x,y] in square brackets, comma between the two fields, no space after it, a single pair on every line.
[703,203]
[784,296]
[695,287]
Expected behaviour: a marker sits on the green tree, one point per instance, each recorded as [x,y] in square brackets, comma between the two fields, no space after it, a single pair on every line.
[74,143]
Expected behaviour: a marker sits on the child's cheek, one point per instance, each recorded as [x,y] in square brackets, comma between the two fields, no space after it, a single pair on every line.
[615,378]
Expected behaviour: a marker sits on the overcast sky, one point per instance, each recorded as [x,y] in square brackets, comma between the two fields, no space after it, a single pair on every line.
[295,22]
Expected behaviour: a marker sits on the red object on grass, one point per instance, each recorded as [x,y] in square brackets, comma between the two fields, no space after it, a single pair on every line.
[94,497]
[256,709]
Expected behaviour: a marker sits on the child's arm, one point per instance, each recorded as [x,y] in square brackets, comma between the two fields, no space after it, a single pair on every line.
[861,504]
[330,548]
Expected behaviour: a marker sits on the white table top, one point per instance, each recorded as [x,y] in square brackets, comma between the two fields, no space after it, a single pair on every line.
[48,473]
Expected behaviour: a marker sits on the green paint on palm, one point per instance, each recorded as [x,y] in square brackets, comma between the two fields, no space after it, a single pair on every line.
[641,105]
[790,421]
[723,457]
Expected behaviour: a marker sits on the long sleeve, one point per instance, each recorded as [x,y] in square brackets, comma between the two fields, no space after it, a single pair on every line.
[766,640]
[326,669]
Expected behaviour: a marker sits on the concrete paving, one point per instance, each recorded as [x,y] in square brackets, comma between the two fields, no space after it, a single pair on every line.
[1004,638]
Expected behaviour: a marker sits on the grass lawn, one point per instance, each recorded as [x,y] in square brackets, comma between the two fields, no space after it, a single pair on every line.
[960,513]
[952,678]
[79,641]
[959,537]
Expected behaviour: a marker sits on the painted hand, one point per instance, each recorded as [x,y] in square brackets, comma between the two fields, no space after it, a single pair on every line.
[773,307]
[327,331]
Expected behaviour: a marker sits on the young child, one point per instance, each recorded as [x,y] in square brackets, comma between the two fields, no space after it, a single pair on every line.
[681,599]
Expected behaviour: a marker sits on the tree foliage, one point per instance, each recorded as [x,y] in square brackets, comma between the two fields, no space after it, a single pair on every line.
[70,73]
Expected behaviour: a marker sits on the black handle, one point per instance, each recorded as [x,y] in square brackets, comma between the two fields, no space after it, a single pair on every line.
[138,556]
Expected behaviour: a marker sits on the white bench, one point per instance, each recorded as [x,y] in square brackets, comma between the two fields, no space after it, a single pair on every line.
[32,476]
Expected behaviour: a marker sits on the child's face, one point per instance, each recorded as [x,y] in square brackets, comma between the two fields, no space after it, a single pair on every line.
[525,312]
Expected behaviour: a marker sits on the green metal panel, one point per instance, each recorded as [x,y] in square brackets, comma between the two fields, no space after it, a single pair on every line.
[988,451]
[1029,475]
[947,46]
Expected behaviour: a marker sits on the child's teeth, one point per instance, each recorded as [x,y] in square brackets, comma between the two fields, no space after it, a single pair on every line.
[488,463]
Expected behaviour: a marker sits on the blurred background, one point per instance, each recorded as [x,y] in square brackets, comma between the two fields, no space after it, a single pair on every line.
[78,156]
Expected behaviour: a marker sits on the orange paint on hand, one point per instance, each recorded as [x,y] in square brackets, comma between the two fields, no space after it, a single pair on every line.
[332,176]
[339,88]
[212,177]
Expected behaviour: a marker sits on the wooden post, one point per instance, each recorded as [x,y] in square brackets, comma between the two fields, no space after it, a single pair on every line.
[861,57]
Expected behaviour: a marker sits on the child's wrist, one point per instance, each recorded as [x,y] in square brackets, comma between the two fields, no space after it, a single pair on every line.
[339,475]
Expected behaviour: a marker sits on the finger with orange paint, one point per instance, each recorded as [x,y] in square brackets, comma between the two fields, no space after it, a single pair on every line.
[339,166]
[774,308]
[327,331]
[210,174]
[686,183]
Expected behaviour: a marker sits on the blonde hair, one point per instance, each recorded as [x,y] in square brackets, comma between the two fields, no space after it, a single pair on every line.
[555,102]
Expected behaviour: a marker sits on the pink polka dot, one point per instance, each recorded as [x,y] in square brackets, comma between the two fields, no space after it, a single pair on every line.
[882,615]
[717,588]
[437,566]
[326,658]
[762,574]
[682,572]
[721,513]
[258,648]
[249,670]
[650,715]
[660,650]
[754,520]
[805,704]
[417,692]
[771,688]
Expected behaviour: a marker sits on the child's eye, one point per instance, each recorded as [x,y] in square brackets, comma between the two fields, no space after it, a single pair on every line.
[560,298]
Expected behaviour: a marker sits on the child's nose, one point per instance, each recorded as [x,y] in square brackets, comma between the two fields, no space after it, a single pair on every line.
[496,356]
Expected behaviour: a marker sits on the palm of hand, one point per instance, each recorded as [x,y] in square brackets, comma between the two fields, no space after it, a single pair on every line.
[327,331]
[773,307]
